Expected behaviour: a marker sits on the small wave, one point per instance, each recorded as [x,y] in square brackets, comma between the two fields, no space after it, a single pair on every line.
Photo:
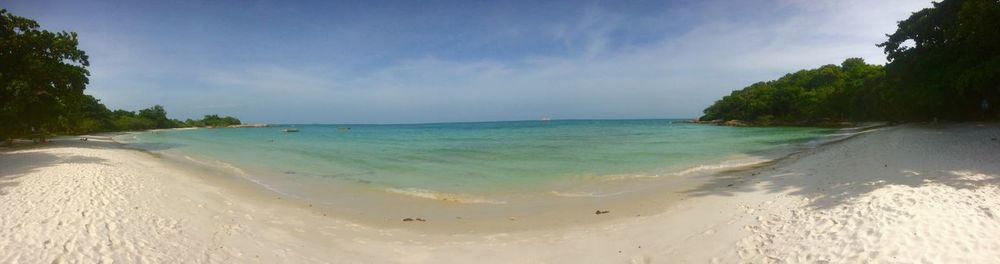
[583,194]
[723,166]
[442,196]
[842,134]
[730,164]
[852,132]
[620,177]
[217,163]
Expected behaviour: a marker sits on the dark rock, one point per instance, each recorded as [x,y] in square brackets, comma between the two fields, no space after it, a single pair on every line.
[407,219]
[601,212]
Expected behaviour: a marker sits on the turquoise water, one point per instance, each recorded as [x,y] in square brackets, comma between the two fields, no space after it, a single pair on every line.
[477,158]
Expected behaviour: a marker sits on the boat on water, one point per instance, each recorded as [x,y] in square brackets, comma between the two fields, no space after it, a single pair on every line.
[290,130]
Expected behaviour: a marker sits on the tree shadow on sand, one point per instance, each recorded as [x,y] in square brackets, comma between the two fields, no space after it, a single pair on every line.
[833,174]
[15,162]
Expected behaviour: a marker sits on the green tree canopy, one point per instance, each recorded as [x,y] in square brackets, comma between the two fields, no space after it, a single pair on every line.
[42,78]
[216,121]
[945,60]
[41,73]
[824,94]
[159,117]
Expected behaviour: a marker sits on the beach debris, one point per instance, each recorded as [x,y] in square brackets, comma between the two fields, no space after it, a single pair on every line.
[729,185]
[407,219]
[598,212]
[289,172]
[414,219]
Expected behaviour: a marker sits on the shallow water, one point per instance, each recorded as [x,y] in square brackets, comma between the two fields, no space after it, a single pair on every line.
[464,162]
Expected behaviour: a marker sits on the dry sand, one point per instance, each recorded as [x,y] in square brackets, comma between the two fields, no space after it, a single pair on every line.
[915,193]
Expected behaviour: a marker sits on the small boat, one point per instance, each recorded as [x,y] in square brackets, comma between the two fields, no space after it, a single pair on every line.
[343,129]
[290,130]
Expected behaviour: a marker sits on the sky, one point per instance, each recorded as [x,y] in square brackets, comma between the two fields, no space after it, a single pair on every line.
[453,61]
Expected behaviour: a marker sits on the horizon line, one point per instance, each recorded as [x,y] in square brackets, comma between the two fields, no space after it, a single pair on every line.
[470,122]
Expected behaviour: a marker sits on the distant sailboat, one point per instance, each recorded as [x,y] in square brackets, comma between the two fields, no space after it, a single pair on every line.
[546,119]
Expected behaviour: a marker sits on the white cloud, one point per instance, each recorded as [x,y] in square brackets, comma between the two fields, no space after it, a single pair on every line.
[676,76]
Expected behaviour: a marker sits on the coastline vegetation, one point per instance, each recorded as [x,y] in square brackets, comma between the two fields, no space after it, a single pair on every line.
[42,78]
[944,62]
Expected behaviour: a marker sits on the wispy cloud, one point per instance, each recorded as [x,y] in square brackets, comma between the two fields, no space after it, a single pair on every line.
[594,61]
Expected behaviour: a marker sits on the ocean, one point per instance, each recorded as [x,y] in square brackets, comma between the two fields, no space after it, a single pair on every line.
[486,163]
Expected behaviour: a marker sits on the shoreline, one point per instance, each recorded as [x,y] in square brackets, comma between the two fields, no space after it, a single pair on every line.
[447,213]
[91,201]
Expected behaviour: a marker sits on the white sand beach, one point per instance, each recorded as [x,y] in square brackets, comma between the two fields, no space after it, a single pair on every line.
[911,193]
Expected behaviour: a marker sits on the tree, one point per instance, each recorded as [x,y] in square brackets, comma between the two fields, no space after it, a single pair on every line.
[42,78]
[41,72]
[824,94]
[215,121]
[88,115]
[945,60]
[158,116]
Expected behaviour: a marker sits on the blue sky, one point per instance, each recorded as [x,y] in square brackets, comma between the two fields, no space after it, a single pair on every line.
[442,61]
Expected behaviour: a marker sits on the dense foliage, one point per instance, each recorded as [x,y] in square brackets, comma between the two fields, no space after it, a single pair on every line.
[851,90]
[41,74]
[42,78]
[213,121]
[944,62]
[92,116]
